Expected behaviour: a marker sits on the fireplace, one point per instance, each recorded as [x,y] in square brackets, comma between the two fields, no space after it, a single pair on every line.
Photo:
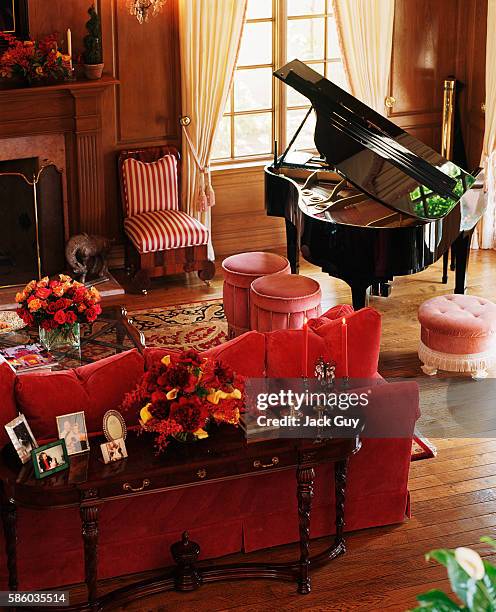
[32,224]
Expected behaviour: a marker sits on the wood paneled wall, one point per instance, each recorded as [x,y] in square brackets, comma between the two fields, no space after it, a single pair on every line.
[432,40]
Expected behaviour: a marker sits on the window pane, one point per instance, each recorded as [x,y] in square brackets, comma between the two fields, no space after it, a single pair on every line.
[259,9]
[222,144]
[293,98]
[305,7]
[256,44]
[253,89]
[305,39]
[305,138]
[253,134]
[336,74]
[333,50]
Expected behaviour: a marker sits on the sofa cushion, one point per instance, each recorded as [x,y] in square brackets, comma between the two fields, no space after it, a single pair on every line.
[364,337]
[8,409]
[92,389]
[285,352]
[244,354]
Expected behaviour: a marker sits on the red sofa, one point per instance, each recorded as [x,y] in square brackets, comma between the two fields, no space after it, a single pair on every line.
[227,517]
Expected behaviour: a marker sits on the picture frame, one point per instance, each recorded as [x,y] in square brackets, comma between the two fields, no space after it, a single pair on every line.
[50,459]
[72,429]
[22,437]
[114,450]
[14,19]
[114,426]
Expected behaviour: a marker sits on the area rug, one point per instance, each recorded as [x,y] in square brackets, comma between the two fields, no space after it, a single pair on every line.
[202,325]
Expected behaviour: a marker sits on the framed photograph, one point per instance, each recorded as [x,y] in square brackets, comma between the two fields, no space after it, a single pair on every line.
[50,459]
[72,429]
[114,426]
[14,18]
[115,450]
[21,437]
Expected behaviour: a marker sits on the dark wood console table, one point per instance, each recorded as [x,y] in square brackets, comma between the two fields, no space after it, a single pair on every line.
[225,455]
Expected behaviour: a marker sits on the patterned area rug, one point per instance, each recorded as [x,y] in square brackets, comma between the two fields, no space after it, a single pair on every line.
[202,325]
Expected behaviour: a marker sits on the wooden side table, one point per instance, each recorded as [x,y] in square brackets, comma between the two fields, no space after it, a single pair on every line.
[225,455]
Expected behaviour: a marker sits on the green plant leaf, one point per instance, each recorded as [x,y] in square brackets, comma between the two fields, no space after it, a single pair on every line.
[488,540]
[437,600]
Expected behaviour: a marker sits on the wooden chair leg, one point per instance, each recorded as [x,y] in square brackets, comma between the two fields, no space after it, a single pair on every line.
[207,272]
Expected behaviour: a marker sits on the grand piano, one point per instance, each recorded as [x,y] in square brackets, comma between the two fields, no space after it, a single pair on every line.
[374,203]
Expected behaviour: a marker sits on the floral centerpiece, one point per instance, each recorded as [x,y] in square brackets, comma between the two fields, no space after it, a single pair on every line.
[34,61]
[179,395]
[57,307]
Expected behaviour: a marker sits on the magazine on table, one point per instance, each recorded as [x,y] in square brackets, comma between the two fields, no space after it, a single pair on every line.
[27,358]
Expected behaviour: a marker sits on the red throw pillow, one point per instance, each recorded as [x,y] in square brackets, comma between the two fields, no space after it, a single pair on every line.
[92,389]
[285,353]
[8,408]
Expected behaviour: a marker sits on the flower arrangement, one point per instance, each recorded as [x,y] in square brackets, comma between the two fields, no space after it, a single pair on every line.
[179,395]
[58,303]
[34,61]
[472,580]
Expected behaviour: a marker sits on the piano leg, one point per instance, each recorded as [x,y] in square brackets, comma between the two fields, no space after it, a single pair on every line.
[359,293]
[461,248]
[293,251]
[445,267]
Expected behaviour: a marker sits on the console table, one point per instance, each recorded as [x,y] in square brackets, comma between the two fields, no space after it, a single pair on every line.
[225,455]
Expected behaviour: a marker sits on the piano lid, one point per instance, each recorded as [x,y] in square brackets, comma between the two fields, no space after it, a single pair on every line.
[374,154]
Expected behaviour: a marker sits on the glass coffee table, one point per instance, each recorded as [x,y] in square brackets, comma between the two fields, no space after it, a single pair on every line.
[113,332]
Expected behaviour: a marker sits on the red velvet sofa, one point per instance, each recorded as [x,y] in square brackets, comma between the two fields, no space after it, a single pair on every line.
[227,517]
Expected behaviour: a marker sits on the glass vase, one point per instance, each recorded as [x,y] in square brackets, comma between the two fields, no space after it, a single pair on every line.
[65,337]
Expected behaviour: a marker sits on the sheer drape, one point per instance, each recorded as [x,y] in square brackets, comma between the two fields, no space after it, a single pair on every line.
[365,29]
[210,34]
[486,231]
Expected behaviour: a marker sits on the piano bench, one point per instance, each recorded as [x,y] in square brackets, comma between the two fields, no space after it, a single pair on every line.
[283,302]
[239,273]
[458,334]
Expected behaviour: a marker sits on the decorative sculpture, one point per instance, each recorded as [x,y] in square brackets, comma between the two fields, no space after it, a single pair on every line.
[87,255]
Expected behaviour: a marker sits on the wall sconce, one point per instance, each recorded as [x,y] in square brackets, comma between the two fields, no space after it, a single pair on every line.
[142,8]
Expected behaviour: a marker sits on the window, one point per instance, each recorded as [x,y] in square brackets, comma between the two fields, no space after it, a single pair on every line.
[260,109]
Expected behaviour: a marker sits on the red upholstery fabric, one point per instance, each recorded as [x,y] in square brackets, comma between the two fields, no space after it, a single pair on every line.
[8,408]
[163,230]
[94,389]
[284,357]
[150,186]
[458,324]
[283,302]
[239,272]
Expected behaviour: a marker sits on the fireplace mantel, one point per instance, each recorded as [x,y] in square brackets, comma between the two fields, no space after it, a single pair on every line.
[74,109]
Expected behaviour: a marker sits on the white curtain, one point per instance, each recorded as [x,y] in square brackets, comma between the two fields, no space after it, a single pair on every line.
[210,35]
[486,231]
[365,29]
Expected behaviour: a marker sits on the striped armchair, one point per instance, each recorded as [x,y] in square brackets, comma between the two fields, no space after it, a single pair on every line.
[161,238]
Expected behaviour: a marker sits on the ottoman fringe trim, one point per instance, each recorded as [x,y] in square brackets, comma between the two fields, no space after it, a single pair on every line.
[452,362]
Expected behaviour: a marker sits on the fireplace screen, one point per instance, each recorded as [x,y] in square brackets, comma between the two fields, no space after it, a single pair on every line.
[31,221]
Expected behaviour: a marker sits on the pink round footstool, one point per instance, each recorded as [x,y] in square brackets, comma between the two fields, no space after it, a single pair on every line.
[283,302]
[458,335]
[239,273]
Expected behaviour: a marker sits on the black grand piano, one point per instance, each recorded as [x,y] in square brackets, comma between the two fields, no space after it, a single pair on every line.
[376,202]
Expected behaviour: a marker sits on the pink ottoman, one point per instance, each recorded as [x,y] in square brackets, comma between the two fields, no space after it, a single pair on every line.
[283,302]
[239,273]
[458,335]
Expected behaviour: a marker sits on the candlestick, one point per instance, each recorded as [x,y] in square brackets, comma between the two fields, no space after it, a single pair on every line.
[344,346]
[69,46]
[305,347]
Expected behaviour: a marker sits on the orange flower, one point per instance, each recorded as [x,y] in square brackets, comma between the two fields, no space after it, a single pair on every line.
[34,305]
[20,297]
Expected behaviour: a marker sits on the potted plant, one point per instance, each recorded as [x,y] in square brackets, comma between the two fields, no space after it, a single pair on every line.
[93,56]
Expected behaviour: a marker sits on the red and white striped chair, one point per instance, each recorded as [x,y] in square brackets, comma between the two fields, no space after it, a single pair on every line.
[162,239]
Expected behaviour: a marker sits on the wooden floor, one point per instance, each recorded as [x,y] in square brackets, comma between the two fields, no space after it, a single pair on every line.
[453,496]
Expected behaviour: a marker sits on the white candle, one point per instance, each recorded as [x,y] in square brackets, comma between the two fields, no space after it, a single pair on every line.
[96,6]
[69,45]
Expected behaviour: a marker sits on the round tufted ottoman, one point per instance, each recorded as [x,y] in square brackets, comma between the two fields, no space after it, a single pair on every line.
[283,302]
[458,334]
[239,273]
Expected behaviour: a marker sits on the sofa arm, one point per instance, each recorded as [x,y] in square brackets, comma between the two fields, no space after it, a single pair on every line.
[392,411]
[8,408]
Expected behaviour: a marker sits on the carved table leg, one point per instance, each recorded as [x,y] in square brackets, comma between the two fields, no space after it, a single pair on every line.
[185,554]
[305,476]
[340,470]
[9,520]
[89,518]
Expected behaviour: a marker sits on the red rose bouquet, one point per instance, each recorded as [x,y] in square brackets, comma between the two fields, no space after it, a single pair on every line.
[34,61]
[51,304]
[180,394]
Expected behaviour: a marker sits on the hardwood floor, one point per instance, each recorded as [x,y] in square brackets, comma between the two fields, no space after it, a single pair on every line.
[453,495]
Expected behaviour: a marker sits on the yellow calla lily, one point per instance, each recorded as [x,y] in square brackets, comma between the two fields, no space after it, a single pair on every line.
[145,414]
[200,433]
[172,394]
[216,395]
[165,360]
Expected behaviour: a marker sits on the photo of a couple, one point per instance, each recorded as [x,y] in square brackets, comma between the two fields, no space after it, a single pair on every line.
[72,429]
